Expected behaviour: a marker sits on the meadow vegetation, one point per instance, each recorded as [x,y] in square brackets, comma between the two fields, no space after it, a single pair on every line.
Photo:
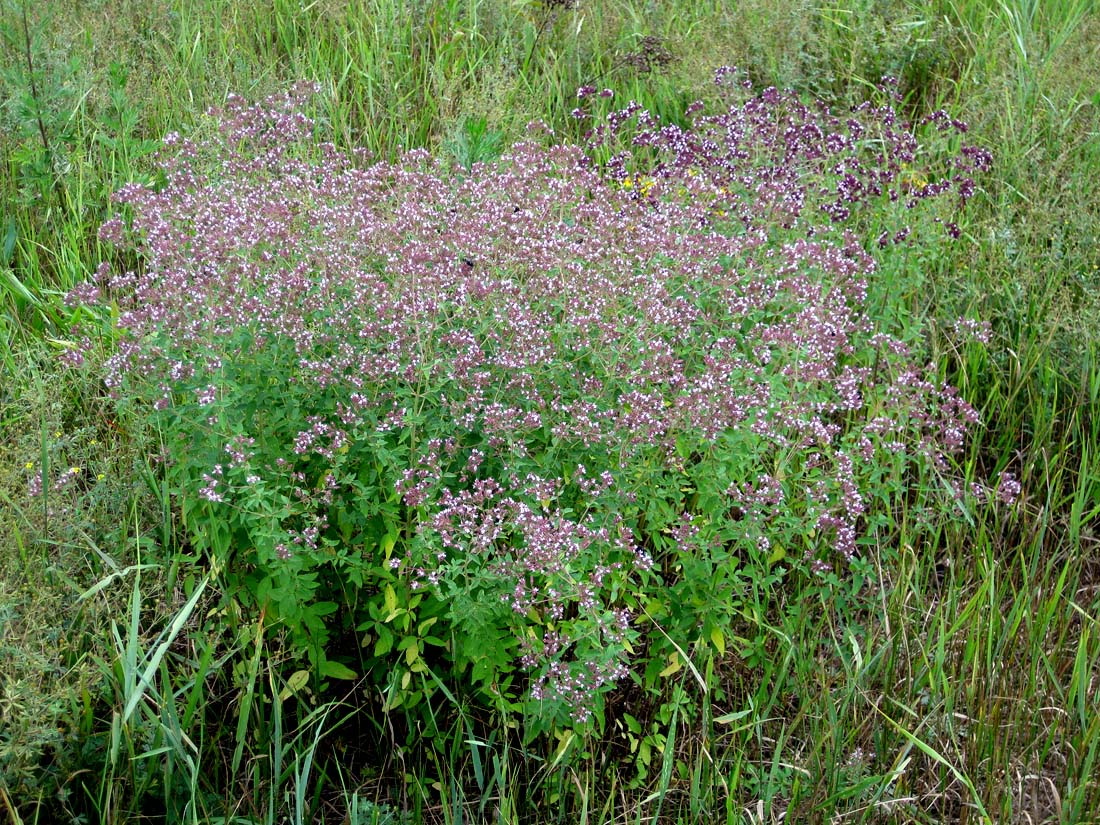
[481,411]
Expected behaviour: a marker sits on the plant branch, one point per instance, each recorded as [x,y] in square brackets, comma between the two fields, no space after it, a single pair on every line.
[58,190]
[30,78]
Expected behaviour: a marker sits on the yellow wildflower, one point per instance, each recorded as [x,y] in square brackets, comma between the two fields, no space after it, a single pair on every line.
[644,185]
[911,179]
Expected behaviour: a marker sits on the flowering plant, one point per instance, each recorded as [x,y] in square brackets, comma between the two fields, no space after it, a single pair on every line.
[527,427]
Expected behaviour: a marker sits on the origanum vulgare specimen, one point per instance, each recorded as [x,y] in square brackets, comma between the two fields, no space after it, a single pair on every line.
[540,424]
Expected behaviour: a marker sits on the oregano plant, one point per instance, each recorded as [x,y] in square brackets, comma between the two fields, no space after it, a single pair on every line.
[543,423]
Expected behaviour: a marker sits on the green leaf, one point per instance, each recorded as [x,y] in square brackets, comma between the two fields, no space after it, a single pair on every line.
[296,682]
[718,640]
[387,545]
[335,670]
[385,641]
[674,665]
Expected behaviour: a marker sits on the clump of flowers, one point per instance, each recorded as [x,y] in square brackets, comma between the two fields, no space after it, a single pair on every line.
[772,159]
[526,425]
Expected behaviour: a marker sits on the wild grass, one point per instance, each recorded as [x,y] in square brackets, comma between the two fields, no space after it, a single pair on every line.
[966,690]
